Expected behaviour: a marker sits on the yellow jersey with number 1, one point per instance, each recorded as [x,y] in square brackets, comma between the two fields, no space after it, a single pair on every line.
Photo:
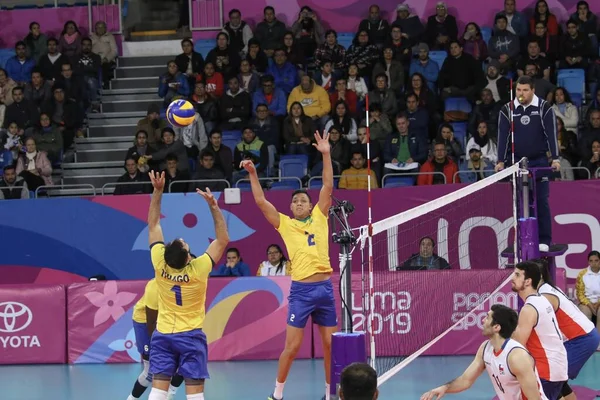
[149,299]
[181,292]
[307,243]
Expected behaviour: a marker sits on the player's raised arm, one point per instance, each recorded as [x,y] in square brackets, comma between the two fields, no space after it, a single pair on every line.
[527,319]
[461,383]
[268,209]
[217,247]
[154,230]
[322,144]
[522,366]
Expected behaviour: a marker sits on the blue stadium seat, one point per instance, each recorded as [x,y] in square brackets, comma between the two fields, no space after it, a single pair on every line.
[6,158]
[457,104]
[288,184]
[237,135]
[192,164]
[438,57]
[486,34]
[5,54]
[398,181]
[243,186]
[231,143]
[317,183]
[345,39]
[577,99]
[295,165]
[573,80]
[460,132]
[575,72]
[203,46]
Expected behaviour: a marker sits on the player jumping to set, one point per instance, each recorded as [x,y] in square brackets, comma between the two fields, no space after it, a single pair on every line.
[306,237]
[179,344]
[538,330]
[509,365]
[582,336]
[145,314]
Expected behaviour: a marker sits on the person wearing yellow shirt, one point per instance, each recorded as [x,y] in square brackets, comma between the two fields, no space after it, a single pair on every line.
[314,99]
[145,313]
[356,177]
[179,344]
[306,237]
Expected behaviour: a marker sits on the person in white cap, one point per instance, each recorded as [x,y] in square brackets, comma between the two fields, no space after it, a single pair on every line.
[441,28]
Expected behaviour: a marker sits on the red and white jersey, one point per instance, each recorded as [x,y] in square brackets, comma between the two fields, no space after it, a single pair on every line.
[505,383]
[545,342]
[571,321]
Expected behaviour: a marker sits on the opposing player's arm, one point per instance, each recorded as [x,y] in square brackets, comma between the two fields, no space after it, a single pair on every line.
[322,144]
[527,320]
[217,247]
[461,383]
[522,366]
[268,209]
[154,230]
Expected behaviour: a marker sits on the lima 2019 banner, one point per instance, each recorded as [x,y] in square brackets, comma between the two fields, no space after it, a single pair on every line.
[68,240]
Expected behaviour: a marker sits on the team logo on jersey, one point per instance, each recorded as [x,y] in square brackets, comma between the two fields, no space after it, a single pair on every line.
[525,120]
[501,369]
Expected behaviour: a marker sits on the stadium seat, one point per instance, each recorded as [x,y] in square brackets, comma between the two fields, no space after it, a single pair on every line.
[486,34]
[574,72]
[293,166]
[230,142]
[317,183]
[577,99]
[460,132]
[398,181]
[192,164]
[6,158]
[244,186]
[5,54]
[573,80]
[203,46]
[438,57]
[237,135]
[288,184]
[457,104]
[345,39]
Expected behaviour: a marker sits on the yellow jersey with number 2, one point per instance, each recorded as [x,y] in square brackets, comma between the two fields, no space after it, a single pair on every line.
[181,292]
[149,299]
[307,243]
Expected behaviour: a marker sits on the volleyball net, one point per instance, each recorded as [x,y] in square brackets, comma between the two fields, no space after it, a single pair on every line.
[411,301]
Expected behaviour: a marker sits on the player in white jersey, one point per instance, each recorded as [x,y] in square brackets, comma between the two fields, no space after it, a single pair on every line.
[538,331]
[582,338]
[509,365]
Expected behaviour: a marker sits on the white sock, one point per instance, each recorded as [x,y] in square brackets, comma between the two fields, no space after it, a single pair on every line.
[131,397]
[197,396]
[278,393]
[327,394]
[157,394]
[172,389]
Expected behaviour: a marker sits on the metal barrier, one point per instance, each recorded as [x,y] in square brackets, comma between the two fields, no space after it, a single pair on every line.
[589,174]
[470,172]
[110,12]
[203,15]
[199,181]
[72,187]
[409,174]
[115,184]
[276,179]
[597,174]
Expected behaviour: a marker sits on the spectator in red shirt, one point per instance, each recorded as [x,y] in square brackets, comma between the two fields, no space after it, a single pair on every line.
[215,86]
[542,14]
[344,94]
[440,162]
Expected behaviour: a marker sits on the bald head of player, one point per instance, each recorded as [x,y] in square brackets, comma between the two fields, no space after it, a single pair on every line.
[177,254]
[501,321]
[525,90]
[358,382]
[526,278]
[301,204]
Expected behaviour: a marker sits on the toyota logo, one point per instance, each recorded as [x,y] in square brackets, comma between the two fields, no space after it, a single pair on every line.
[14,317]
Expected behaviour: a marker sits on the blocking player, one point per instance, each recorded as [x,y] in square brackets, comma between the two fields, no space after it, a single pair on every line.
[306,237]
[509,365]
[179,344]
[582,336]
[538,330]
[145,313]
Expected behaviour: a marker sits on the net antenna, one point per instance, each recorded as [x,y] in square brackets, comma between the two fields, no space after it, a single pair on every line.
[515,177]
[370,296]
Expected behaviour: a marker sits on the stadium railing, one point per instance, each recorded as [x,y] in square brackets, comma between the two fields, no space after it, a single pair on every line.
[78,189]
[587,171]
[105,190]
[456,174]
[244,183]
[109,11]
[411,174]
[199,181]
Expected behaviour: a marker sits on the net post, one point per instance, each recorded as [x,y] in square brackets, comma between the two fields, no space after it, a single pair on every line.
[528,226]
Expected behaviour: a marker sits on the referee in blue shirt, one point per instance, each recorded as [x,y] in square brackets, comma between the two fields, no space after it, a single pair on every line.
[535,137]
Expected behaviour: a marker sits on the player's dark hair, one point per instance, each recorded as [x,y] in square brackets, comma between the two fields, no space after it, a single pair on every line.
[506,317]
[358,382]
[171,157]
[234,250]
[206,153]
[301,191]
[532,271]
[526,80]
[282,260]
[593,253]
[8,168]
[176,256]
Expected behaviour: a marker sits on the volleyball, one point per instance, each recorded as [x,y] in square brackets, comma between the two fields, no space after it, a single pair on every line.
[180,113]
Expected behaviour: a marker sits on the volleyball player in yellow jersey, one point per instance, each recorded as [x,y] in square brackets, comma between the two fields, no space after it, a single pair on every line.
[178,344]
[145,313]
[306,237]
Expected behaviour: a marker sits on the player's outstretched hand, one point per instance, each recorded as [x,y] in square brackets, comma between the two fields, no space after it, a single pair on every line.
[158,180]
[208,196]
[322,142]
[434,394]
[248,165]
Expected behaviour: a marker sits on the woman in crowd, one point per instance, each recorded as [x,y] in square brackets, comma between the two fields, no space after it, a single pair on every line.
[69,43]
[564,108]
[489,151]
[588,288]
[276,265]
[234,265]
[34,166]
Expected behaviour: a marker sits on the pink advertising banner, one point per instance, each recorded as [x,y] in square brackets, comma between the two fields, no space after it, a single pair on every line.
[100,325]
[32,324]
[412,308]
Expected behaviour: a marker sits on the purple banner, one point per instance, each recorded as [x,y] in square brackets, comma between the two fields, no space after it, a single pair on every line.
[100,326]
[32,324]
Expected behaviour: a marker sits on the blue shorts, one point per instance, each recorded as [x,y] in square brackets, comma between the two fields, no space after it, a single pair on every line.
[579,350]
[552,390]
[313,299]
[142,339]
[185,353]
